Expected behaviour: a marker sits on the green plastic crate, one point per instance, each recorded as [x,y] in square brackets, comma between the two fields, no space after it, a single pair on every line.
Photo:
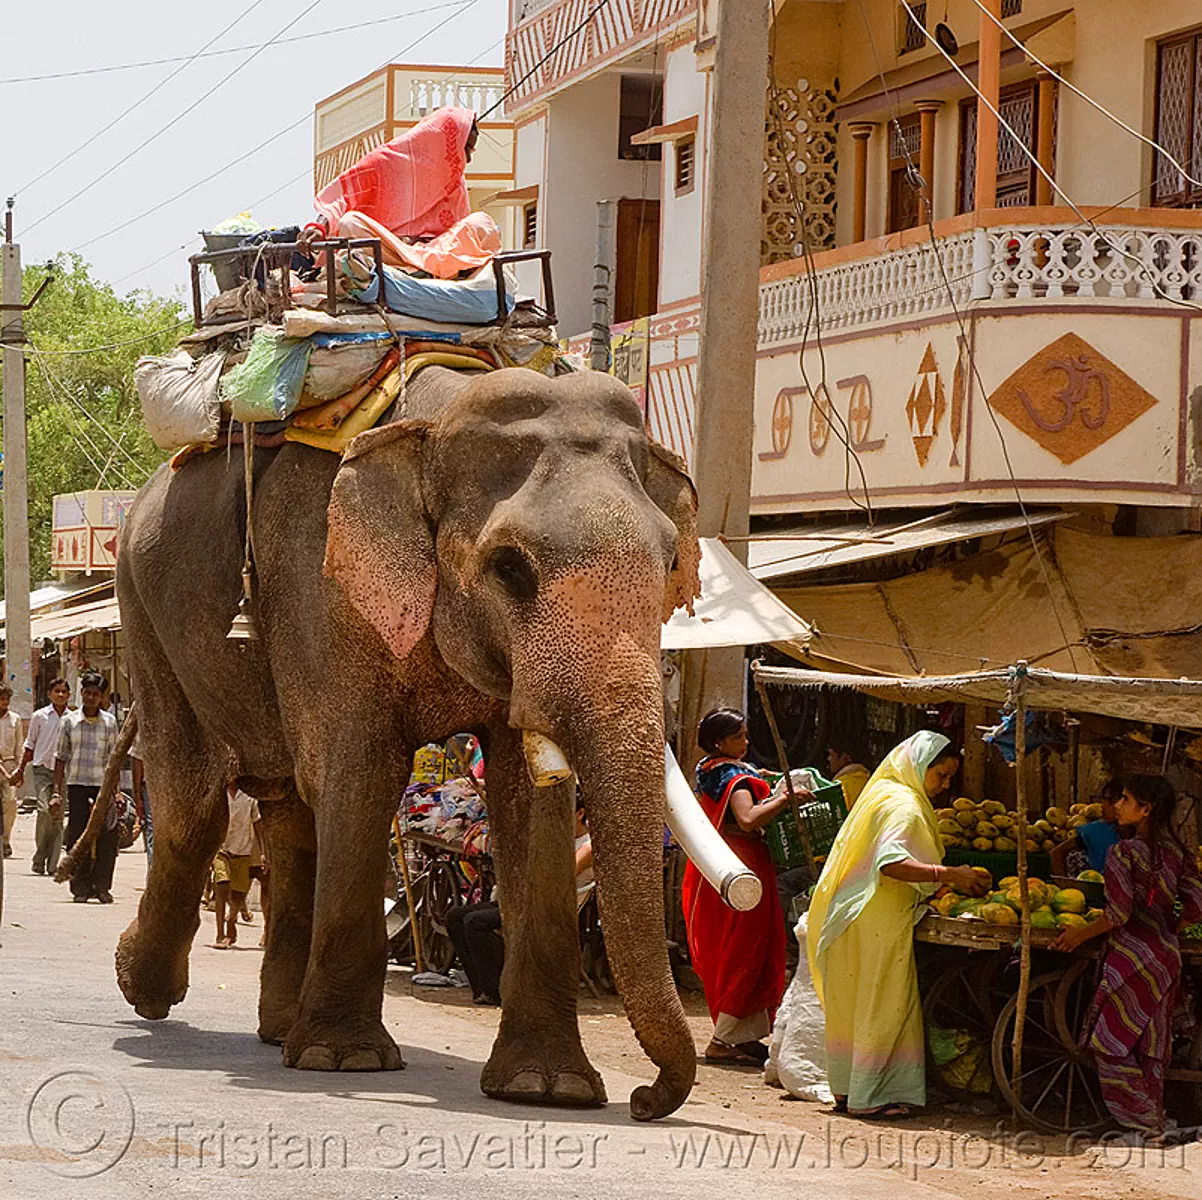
[821,818]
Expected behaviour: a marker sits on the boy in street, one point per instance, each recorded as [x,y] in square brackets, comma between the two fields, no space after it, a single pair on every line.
[10,754]
[231,868]
[41,745]
[85,743]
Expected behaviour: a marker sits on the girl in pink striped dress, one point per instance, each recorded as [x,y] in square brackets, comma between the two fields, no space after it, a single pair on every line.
[1128,1029]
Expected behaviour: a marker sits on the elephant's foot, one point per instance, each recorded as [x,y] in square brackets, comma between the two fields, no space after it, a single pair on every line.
[275,1022]
[542,1074]
[151,978]
[363,1047]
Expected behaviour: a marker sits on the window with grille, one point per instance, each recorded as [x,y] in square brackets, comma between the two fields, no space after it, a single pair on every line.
[686,164]
[530,226]
[905,147]
[1011,8]
[1178,120]
[912,24]
[1016,172]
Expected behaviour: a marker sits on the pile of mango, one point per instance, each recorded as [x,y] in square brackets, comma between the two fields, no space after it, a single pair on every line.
[1051,907]
[987,826]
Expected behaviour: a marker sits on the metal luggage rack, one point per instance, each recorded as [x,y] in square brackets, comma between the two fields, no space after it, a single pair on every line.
[278,256]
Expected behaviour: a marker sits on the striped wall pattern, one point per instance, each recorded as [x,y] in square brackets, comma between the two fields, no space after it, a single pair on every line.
[328,166]
[618,28]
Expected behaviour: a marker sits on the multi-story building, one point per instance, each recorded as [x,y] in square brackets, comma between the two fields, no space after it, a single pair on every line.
[917,350]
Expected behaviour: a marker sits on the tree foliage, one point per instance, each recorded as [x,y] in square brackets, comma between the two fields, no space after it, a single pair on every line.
[83,419]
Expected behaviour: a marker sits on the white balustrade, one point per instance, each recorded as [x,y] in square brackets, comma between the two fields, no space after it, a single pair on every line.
[1022,263]
[428,94]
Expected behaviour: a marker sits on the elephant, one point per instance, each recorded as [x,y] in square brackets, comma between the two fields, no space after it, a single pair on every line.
[499,560]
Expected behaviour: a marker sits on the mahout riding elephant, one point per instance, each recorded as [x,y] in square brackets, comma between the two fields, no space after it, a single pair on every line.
[498,561]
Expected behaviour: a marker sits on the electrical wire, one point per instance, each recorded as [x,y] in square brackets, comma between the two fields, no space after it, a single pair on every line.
[141,99]
[467,4]
[146,266]
[966,345]
[1135,133]
[559,45]
[1047,175]
[206,53]
[813,312]
[170,124]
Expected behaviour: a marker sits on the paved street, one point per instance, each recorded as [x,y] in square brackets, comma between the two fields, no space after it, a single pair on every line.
[99,1103]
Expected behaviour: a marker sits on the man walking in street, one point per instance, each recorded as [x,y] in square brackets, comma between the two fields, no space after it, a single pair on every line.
[41,746]
[10,753]
[85,744]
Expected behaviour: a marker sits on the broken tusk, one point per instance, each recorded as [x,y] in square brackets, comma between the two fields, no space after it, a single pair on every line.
[723,869]
[546,762]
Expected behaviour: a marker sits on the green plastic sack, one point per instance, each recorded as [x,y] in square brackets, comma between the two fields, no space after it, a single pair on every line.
[267,386]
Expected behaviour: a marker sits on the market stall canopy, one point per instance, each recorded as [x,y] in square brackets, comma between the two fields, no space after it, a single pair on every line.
[1119,606]
[734,609]
[55,594]
[104,614]
[1160,701]
[814,548]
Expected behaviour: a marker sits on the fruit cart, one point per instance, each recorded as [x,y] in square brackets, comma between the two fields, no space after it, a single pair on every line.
[1002,985]
[969,981]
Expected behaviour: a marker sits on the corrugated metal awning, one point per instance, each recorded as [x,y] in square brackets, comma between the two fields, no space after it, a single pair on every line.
[104,614]
[814,548]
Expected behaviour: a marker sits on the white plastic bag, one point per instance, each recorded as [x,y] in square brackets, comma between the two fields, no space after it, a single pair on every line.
[797,1054]
[180,405]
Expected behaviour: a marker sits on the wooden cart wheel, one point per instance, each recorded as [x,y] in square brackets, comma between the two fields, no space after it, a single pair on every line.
[1060,1090]
[1183,1095]
[439,893]
[1073,997]
[966,996]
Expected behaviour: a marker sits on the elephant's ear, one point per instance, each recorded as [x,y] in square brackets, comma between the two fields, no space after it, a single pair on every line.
[379,546]
[669,485]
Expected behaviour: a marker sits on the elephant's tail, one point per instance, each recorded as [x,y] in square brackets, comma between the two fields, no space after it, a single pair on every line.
[84,847]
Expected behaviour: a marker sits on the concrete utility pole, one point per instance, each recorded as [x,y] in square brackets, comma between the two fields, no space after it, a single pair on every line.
[17,672]
[603,286]
[730,299]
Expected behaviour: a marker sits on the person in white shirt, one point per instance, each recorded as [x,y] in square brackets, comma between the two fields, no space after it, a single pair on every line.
[41,743]
[10,753]
[231,868]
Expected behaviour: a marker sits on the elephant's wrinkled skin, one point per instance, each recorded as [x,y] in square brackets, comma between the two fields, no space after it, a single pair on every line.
[500,561]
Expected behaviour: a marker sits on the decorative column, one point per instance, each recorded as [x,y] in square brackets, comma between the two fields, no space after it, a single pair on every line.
[860,131]
[926,155]
[989,84]
[1045,138]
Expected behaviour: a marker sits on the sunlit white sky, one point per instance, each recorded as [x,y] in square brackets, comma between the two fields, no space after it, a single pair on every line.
[45,120]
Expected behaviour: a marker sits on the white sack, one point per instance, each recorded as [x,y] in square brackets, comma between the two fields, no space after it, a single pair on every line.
[179,397]
[797,1054]
[335,370]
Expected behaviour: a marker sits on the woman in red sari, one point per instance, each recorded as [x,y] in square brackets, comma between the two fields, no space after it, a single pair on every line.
[739,956]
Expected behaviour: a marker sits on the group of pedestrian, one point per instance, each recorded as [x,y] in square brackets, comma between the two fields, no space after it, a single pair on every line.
[886,859]
[69,751]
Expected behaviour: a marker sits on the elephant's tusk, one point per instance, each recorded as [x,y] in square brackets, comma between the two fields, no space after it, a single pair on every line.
[738,886]
[546,762]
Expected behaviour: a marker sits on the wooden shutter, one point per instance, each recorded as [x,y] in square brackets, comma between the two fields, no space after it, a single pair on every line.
[1178,121]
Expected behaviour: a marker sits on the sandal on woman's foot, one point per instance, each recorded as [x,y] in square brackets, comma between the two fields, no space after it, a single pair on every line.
[756,1050]
[723,1055]
[886,1112]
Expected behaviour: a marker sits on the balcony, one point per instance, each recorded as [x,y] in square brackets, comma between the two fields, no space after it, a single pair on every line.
[616,30]
[1063,368]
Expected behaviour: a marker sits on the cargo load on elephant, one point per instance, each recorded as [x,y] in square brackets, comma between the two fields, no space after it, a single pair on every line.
[317,330]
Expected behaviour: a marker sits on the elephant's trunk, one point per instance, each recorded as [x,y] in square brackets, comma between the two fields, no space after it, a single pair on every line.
[619,758]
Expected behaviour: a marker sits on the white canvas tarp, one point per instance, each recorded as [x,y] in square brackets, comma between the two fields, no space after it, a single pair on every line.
[734,609]
[85,619]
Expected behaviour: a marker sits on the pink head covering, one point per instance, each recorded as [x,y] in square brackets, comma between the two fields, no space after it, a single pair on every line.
[414,185]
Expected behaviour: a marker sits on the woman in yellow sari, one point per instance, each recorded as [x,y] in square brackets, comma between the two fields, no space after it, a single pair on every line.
[885,860]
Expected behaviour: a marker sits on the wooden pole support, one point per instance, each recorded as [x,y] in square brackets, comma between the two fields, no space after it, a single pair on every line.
[777,741]
[1020,814]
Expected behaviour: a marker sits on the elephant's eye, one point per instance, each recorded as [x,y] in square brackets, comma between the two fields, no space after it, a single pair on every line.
[513,570]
